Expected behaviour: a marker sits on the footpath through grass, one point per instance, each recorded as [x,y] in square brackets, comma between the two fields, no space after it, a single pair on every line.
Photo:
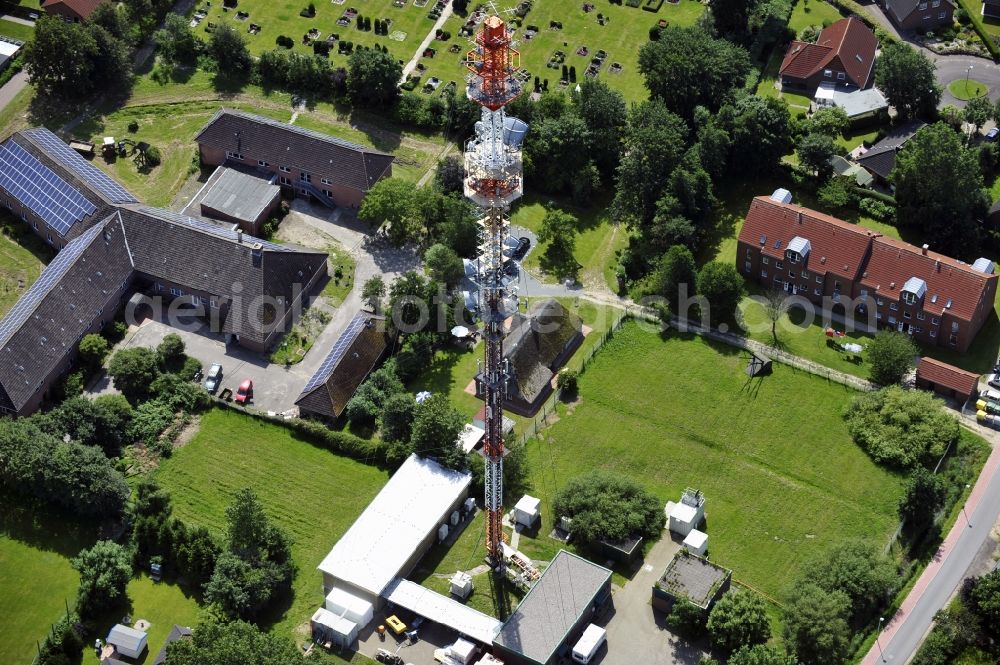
[309,492]
[783,480]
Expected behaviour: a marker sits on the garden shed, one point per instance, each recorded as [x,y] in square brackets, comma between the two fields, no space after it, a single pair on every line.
[526,511]
[127,641]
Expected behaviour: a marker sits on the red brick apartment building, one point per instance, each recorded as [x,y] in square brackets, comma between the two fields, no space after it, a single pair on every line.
[936,299]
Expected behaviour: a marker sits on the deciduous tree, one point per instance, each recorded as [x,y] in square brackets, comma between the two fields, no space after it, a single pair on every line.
[436,428]
[608,507]
[722,285]
[908,79]
[675,271]
[373,77]
[105,570]
[133,371]
[738,619]
[816,625]
[443,264]
[232,643]
[890,357]
[815,151]
[229,50]
[559,230]
[924,496]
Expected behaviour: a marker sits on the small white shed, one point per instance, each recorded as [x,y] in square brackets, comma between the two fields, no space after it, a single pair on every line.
[696,542]
[526,511]
[127,641]
[328,627]
[461,585]
[346,605]
[683,518]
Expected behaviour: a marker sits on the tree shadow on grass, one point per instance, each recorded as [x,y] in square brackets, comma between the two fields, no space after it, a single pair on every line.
[440,376]
[46,528]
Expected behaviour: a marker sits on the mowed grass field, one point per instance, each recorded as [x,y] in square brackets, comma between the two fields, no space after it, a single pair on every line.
[309,492]
[621,36]
[782,478]
[37,581]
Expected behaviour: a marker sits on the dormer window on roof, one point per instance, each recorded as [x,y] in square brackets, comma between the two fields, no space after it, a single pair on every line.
[913,290]
[798,249]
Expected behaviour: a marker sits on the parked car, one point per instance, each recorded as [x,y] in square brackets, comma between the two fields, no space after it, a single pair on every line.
[994,381]
[523,244]
[993,134]
[245,392]
[214,378]
[33,16]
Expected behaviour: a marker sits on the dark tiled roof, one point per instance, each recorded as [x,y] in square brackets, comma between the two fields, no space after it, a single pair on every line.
[880,159]
[256,137]
[345,367]
[51,317]
[902,9]
[837,246]
[550,610]
[948,376]
[536,342]
[207,257]
[176,633]
[83,8]
[847,44]
[893,262]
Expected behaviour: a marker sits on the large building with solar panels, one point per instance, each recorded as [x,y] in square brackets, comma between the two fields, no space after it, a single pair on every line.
[110,245]
[355,354]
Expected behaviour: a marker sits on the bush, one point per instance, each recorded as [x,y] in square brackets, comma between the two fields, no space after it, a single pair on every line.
[153,156]
[62,645]
[877,209]
[190,368]
[93,350]
[608,507]
[149,421]
[284,41]
[72,385]
[901,428]
[133,126]
[568,381]
[171,350]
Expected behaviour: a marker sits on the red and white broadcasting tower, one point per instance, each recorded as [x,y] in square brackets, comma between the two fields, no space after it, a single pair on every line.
[493,182]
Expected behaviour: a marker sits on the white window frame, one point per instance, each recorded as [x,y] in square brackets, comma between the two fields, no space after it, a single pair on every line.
[894,306]
[935,320]
[261,162]
[305,177]
[779,265]
[234,155]
[763,273]
[327,181]
[921,316]
[933,333]
[284,169]
[764,260]
[819,279]
[284,181]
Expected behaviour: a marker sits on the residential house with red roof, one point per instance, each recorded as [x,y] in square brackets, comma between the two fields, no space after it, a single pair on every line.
[919,14]
[71,10]
[936,299]
[844,53]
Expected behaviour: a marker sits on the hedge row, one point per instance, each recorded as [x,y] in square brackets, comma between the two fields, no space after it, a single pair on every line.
[872,194]
[977,24]
[342,443]
[851,7]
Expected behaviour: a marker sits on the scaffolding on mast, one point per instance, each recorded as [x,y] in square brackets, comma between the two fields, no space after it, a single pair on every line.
[493,181]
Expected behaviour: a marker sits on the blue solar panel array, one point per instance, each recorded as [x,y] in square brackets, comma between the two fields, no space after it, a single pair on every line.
[347,338]
[40,190]
[218,230]
[27,303]
[87,172]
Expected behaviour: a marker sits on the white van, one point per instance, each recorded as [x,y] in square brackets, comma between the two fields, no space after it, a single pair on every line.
[589,643]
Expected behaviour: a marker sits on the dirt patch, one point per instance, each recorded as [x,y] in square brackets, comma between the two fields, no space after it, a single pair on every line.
[187,433]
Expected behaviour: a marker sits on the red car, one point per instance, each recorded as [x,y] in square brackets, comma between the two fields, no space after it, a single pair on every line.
[245,392]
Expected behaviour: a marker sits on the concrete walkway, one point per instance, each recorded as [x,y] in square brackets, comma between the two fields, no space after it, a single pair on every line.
[18,19]
[412,64]
[16,84]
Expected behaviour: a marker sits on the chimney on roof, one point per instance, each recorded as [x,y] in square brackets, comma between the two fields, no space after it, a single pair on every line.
[892,285]
[239,235]
[800,216]
[937,266]
[924,248]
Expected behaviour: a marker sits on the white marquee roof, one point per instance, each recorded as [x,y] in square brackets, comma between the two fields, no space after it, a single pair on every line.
[410,506]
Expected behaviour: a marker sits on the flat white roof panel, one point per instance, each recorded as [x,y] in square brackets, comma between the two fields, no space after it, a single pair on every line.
[696,539]
[384,537]
[443,610]
[683,512]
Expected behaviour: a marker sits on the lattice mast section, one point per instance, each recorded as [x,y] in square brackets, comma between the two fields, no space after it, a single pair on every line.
[492,182]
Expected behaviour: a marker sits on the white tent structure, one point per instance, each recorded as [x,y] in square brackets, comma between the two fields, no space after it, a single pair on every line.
[395,530]
[328,627]
[343,604]
[127,641]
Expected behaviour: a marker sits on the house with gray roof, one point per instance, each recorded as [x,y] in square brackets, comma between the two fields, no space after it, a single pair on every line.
[111,245]
[307,163]
[880,159]
[570,594]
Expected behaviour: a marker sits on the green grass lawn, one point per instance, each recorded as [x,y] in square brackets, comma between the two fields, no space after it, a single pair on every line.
[782,478]
[309,492]
[23,255]
[341,267]
[161,604]
[621,37]
[597,243]
[281,17]
[37,582]
[18,31]
[967,89]
[812,13]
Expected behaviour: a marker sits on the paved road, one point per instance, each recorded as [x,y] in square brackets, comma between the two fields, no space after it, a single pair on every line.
[18,19]
[905,631]
[954,67]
